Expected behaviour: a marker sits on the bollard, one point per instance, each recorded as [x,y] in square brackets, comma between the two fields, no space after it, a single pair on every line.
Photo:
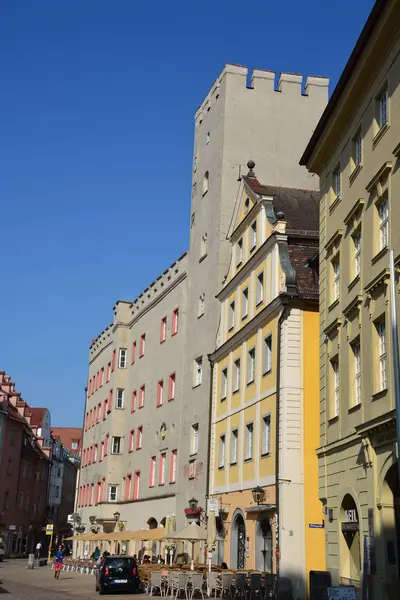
[31,561]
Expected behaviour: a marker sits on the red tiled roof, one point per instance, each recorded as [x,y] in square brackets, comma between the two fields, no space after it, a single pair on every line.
[37,415]
[68,435]
[306,279]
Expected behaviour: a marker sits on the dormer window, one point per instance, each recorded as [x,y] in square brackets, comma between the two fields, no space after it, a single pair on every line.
[239,252]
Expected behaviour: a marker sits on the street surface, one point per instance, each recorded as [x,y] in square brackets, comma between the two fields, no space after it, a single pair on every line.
[19,583]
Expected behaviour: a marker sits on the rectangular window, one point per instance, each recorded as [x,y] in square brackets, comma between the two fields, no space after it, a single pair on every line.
[239,252]
[383,109]
[336,182]
[152,476]
[110,400]
[357,253]
[335,386]
[265,435]
[120,399]
[122,360]
[133,352]
[115,445]
[142,345]
[160,392]
[231,316]
[249,441]
[236,375]
[112,493]
[194,442]
[251,366]
[97,380]
[128,487]
[260,288]
[103,489]
[173,465]
[161,475]
[336,278]
[131,439]
[139,437]
[106,441]
[234,446]
[171,386]
[98,492]
[136,486]
[113,359]
[357,373]
[163,330]
[98,418]
[224,383]
[105,409]
[198,370]
[245,303]
[381,329]
[383,211]
[108,372]
[267,355]
[357,149]
[142,393]
[253,236]
[91,494]
[175,320]
[134,401]
[101,451]
[101,376]
[221,452]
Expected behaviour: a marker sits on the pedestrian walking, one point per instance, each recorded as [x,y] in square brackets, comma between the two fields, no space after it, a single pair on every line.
[59,556]
[38,549]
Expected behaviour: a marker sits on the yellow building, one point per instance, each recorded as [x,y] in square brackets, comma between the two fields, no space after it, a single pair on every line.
[265,404]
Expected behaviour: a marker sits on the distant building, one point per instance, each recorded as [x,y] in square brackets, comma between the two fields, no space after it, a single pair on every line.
[71,439]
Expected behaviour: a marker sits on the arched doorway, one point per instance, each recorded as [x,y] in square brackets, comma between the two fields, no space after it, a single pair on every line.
[218,555]
[349,542]
[264,554]
[238,542]
[390,515]
[152,523]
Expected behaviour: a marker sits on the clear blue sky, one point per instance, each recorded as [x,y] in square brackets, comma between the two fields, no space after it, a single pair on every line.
[96,122]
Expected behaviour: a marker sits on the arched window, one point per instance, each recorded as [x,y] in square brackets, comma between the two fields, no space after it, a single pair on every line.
[206,182]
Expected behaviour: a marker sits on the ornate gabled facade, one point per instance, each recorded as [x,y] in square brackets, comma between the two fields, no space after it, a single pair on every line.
[265,386]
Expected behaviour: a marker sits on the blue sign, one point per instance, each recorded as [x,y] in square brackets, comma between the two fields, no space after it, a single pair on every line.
[316,525]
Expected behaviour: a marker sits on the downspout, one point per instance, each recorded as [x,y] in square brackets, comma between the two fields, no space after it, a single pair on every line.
[209,426]
[277,478]
[77,484]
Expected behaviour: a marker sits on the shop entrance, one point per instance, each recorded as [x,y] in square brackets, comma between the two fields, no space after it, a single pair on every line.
[349,542]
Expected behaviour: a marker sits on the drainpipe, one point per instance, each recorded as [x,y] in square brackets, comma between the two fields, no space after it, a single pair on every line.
[209,425]
[283,315]
[77,483]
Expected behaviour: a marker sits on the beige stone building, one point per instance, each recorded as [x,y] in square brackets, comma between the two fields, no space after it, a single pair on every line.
[355,150]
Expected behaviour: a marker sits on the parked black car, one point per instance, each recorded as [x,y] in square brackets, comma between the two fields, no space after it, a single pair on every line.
[117,573]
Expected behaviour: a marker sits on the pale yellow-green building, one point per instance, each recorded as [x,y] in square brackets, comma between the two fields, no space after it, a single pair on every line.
[265,406]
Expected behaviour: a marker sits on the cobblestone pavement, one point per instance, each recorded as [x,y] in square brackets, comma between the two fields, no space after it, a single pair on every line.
[19,583]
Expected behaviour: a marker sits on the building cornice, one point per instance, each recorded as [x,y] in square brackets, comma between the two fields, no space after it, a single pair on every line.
[333,240]
[353,306]
[379,280]
[332,328]
[383,421]
[375,182]
[353,211]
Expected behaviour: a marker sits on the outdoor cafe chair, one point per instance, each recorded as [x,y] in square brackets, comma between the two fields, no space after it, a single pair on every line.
[197,584]
[256,585]
[241,585]
[182,585]
[213,584]
[227,584]
[155,582]
[269,584]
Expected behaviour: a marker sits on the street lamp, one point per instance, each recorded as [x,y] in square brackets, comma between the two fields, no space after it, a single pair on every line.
[117,515]
[193,504]
[258,495]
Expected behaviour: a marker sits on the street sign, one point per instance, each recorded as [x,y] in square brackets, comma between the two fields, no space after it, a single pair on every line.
[49,529]
[316,525]
[342,592]
[12,527]
[70,519]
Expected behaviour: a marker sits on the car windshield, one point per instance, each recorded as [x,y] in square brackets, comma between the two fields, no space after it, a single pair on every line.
[119,564]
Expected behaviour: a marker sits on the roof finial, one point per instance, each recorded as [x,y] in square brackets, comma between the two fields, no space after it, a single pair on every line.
[251,164]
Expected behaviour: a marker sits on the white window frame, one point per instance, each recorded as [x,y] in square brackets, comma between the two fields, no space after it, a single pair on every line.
[236,375]
[260,288]
[358,149]
[251,365]
[163,462]
[357,373]
[174,460]
[194,439]
[336,182]
[336,386]
[234,446]
[239,252]
[357,252]
[224,383]
[267,354]
[221,451]
[245,302]
[249,441]
[119,399]
[231,324]
[111,494]
[266,435]
[253,235]
[122,358]
[114,443]
[336,277]
[383,212]
[198,371]
[383,105]
[383,379]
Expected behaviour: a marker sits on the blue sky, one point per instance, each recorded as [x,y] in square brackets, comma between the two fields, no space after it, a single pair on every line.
[96,127]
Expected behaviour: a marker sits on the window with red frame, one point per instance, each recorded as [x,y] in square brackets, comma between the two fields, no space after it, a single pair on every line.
[95,447]
[142,393]
[108,377]
[97,380]
[136,485]
[101,451]
[91,494]
[86,421]
[106,445]
[163,330]
[142,345]
[101,376]
[114,358]
[98,492]
[134,401]
[171,386]
[172,468]
[105,409]
[139,437]
[160,392]
[103,489]
[98,412]
[133,352]
[161,474]
[175,319]
[110,400]
[131,440]
[152,475]
[128,487]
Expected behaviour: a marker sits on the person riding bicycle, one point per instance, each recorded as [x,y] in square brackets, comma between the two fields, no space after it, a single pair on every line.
[59,556]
